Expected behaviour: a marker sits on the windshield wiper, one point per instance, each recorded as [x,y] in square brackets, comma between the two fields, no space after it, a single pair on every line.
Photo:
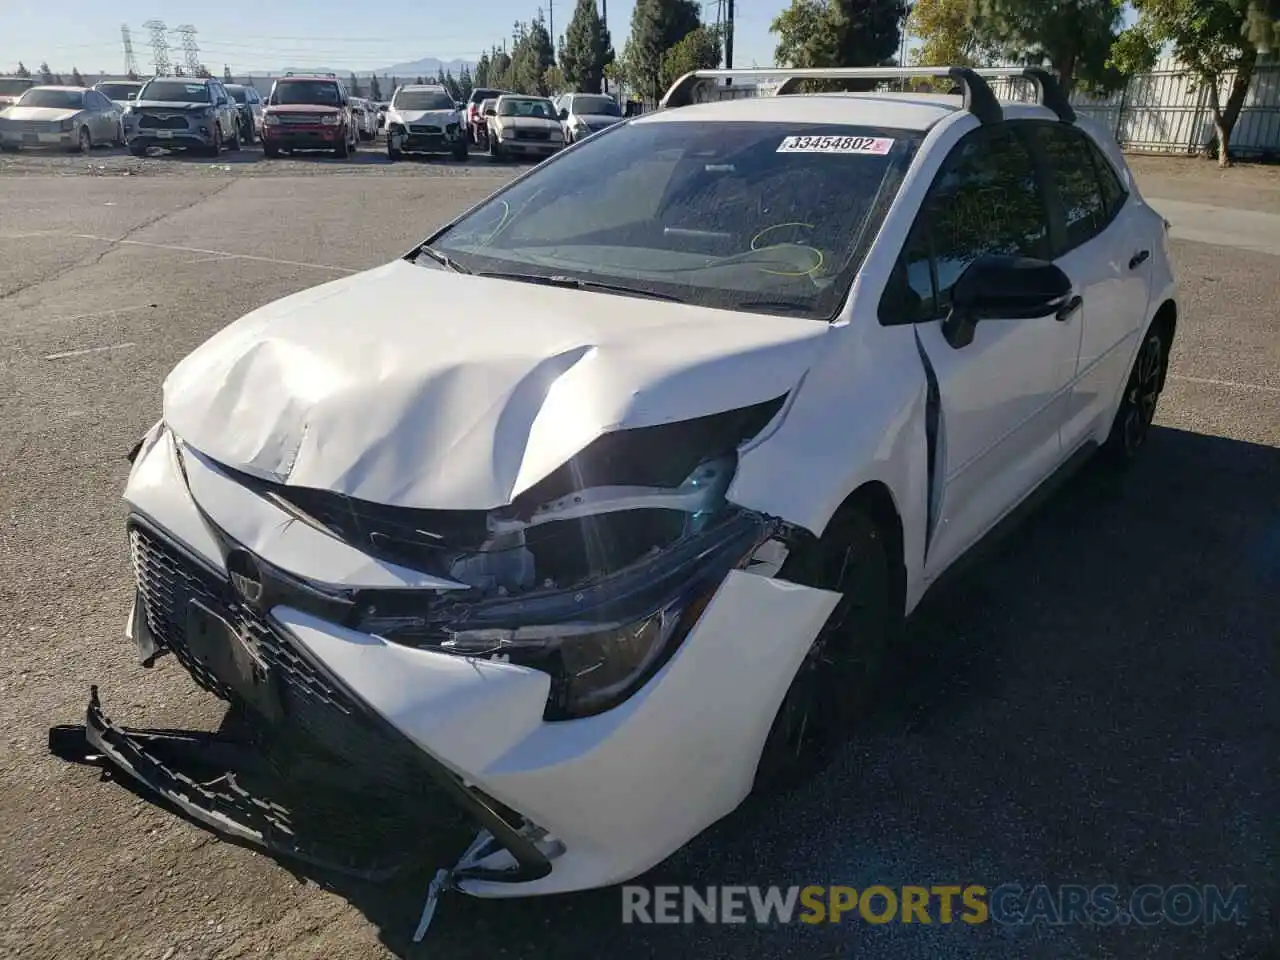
[441,259]
[575,283]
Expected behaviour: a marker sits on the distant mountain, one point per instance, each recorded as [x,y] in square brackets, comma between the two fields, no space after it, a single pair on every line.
[426,67]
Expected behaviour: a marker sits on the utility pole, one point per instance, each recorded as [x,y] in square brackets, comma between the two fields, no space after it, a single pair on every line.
[159,46]
[604,20]
[551,10]
[728,42]
[130,61]
[190,51]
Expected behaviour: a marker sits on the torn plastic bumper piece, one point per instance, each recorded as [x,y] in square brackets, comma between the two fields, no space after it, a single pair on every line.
[158,759]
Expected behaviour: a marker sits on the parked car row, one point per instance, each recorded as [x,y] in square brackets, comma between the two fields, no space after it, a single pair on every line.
[302,112]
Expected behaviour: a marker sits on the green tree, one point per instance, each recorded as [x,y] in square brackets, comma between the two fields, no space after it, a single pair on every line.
[697,50]
[133,75]
[353,86]
[226,74]
[46,75]
[944,33]
[1211,38]
[375,88]
[22,71]
[391,89]
[585,49]
[203,72]
[76,79]
[838,33]
[656,27]
[466,82]
[553,81]
[531,56]
[481,77]
[1074,37]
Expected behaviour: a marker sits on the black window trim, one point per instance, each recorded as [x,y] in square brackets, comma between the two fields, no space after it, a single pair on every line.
[1022,130]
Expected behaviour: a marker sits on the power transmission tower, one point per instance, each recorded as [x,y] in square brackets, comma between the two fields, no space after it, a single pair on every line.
[130,61]
[159,46]
[190,51]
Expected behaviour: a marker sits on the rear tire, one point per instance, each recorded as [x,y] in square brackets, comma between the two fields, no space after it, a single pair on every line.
[119,140]
[270,151]
[234,145]
[460,151]
[1132,425]
[836,684]
[138,151]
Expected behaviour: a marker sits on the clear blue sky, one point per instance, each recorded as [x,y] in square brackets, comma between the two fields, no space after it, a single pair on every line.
[277,33]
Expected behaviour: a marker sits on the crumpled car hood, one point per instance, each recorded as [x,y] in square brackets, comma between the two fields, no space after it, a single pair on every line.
[413,386]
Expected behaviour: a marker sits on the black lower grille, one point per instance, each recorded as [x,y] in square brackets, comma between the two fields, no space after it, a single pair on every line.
[533,134]
[317,712]
[149,122]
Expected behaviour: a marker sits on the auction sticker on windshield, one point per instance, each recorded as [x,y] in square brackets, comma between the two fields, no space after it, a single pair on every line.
[875,146]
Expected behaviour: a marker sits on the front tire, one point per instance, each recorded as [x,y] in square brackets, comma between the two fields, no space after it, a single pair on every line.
[269,150]
[836,684]
[119,140]
[84,142]
[1132,425]
[234,145]
[342,150]
[215,148]
[460,151]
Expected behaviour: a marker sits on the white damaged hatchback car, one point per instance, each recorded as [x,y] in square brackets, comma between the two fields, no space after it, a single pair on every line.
[607,521]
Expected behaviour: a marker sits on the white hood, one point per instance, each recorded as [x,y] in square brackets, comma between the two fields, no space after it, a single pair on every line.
[528,123]
[46,114]
[460,392]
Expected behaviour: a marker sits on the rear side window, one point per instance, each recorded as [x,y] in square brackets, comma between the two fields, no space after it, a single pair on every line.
[1114,194]
[1074,175]
[986,200]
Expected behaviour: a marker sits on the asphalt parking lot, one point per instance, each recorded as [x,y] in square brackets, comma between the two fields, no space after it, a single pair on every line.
[1095,702]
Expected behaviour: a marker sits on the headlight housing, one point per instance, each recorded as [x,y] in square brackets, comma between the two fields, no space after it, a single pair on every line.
[270,119]
[331,120]
[66,125]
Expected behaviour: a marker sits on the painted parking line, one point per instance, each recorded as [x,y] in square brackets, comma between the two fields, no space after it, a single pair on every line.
[1231,384]
[216,254]
[88,350]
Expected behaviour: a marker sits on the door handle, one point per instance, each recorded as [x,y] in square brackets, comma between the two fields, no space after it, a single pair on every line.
[1138,259]
[1067,309]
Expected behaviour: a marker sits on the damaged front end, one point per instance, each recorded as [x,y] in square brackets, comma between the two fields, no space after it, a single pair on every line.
[576,593]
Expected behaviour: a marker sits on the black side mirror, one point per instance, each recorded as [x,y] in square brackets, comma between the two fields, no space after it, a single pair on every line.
[1006,288]
[564,114]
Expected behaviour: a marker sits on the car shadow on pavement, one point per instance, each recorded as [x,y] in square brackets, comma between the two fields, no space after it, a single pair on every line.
[1071,704]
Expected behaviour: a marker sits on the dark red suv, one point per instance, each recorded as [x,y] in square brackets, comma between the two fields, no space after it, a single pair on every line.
[308,113]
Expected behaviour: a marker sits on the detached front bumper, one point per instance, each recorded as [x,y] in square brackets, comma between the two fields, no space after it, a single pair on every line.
[418,142]
[570,804]
[302,138]
[172,139]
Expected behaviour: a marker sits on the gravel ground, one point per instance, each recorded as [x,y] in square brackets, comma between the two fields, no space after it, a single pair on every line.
[1093,703]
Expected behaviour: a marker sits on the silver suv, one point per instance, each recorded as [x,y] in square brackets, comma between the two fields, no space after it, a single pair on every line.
[183,113]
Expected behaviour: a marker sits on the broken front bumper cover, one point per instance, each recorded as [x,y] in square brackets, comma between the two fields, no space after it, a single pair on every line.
[207,777]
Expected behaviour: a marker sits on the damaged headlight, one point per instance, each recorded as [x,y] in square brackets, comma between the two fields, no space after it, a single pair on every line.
[600,642]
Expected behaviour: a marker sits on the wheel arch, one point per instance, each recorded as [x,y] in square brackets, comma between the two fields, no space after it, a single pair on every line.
[1166,319]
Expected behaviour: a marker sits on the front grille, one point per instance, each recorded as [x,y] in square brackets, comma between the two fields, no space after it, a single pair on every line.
[300,118]
[533,134]
[36,126]
[423,128]
[168,580]
[150,121]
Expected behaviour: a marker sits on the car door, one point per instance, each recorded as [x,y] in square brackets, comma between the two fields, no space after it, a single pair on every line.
[1099,241]
[999,398]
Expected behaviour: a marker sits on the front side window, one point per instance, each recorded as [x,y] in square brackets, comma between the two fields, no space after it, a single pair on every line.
[58,99]
[307,92]
[764,217]
[1075,180]
[986,200]
[422,100]
[238,94]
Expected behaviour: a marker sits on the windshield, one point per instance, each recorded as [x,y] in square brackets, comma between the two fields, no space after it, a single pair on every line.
[483,93]
[175,91]
[119,91]
[314,92]
[526,107]
[423,100]
[12,87]
[238,94]
[60,99]
[596,106]
[763,217]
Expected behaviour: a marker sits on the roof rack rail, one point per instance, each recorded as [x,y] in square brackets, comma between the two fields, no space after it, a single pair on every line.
[978,96]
